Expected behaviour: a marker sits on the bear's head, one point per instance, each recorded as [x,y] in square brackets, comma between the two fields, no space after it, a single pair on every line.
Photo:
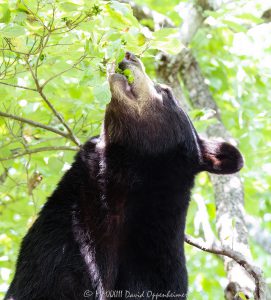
[146,118]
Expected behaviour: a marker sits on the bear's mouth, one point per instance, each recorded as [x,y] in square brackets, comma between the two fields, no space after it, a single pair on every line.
[123,82]
[128,87]
[120,87]
[130,81]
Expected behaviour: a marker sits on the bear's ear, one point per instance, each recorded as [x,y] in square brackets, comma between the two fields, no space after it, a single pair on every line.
[219,157]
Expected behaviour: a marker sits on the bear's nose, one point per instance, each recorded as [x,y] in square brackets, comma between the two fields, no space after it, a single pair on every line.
[130,56]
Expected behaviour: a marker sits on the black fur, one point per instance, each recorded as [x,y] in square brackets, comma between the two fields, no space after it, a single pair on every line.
[117,218]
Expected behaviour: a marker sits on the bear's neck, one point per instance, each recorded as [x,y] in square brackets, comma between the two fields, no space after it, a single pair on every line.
[146,190]
[144,201]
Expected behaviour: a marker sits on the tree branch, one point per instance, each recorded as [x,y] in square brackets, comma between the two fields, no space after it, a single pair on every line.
[18,86]
[41,149]
[254,271]
[34,123]
[14,51]
[62,72]
[56,113]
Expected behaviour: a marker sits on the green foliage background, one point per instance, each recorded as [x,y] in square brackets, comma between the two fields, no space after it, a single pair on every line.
[233,49]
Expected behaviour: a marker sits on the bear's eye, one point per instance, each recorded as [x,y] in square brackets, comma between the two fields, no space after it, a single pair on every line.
[168,94]
[166,91]
[168,97]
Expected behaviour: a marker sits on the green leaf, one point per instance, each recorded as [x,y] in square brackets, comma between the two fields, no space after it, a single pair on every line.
[12,31]
[129,75]
[102,92]
[55,165]
[241,295]
[250,17]
[141,39]
[20,17]
[235,26]
[167,40]
[4,13]
[34,26]
[69,6]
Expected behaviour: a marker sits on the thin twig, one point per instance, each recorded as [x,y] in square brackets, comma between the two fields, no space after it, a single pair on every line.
[42,149]
[19,86]
[60,118]
[43,43]
[15,51]
[60,44]
[64,71]
[56,113]
[36,16]
[73,24]
[34,123]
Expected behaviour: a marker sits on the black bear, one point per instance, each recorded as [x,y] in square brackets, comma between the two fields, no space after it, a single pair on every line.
[114,226]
